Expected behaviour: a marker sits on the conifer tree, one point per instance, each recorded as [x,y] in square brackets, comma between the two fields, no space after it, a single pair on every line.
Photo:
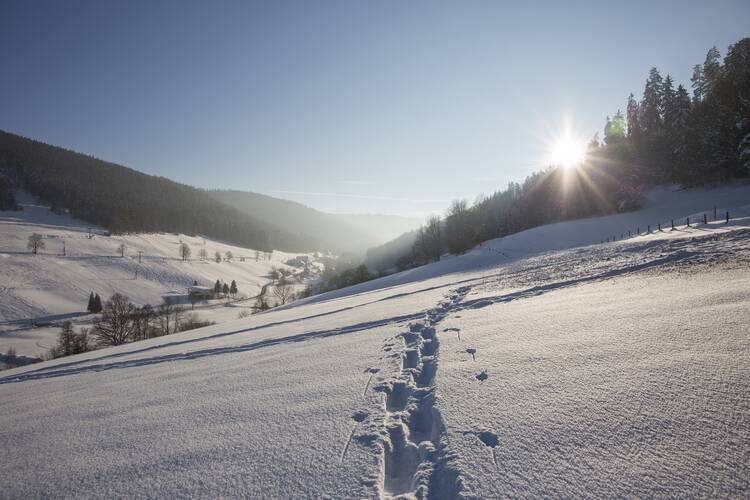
[614,130]
[698,83]
[233,288]
[668,102]
[90,306]
[632,112]
[651,104]
[711,69]
[7,194]
[682,106]
[97,304]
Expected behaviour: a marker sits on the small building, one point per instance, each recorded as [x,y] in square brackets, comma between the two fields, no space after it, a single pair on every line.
[299,261]
[197,292]
[173,297]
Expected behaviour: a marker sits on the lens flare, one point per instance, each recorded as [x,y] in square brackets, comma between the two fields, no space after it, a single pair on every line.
[568,153]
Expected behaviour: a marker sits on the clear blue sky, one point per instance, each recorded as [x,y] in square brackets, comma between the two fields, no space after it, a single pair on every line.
[348,106]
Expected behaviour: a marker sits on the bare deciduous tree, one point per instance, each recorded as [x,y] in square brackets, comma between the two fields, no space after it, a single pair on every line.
[217,256]
[282,291]
[36,243]
[168,318]
[69,342]
[202,254]
[229,256]
[115,327]
[121,249]
[261,304]
[142,322]
[184,251]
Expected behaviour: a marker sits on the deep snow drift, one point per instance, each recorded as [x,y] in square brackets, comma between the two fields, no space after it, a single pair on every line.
[620,369]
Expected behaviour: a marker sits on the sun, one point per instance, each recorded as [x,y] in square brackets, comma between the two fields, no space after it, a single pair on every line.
[568,153]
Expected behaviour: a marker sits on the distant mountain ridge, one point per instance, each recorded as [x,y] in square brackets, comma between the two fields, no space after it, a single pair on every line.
[349,232]
[124,200]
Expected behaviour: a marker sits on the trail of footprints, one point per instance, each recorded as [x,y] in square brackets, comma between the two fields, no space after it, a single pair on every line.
[412,423]
[412,437]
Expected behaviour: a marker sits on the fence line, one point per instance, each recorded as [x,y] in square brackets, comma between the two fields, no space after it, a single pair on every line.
[614,238]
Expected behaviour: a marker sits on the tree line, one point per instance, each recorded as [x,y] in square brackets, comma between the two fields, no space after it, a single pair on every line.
[120,321]
[7,194]
[670,135]
[124,200]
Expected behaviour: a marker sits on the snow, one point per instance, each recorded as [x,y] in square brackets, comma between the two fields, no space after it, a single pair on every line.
[50,287]
[660,205]
[656,406]
[606,370]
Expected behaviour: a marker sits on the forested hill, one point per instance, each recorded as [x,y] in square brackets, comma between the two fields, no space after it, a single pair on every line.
[339,231]
[668,137]
[121,199]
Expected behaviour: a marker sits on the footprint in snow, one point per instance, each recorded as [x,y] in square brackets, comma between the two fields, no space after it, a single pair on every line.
[457,330]
[360,416]
[372,371]
[489,439]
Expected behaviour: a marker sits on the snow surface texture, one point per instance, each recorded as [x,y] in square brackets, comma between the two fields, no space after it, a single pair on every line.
[660,206]
[50,287]
[609,370]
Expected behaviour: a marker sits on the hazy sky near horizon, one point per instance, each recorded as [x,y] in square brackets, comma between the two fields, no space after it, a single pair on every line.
[347,106]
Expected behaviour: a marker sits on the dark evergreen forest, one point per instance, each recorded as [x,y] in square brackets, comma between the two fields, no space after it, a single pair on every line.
[124,200]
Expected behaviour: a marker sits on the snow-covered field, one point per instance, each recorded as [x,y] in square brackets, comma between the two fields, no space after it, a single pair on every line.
[50,287]
[610,370]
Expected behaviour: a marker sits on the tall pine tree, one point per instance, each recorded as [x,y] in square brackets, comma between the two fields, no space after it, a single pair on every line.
[698,83]
[97,304]
[632,114]
[668,103]
[711,69]
[651,104]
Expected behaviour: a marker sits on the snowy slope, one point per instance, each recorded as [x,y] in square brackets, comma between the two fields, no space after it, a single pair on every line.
[620,369]
[49,286]
[660,205]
